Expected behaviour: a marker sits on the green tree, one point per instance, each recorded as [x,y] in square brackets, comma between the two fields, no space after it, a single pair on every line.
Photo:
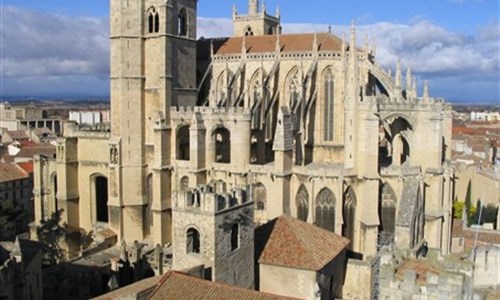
[49,234]
[11,215]
[458,209]
[468,199]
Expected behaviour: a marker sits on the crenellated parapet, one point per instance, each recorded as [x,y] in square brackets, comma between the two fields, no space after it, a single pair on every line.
[213,198]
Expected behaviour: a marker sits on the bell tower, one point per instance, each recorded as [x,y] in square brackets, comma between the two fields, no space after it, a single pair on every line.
[153,47]
[256,22]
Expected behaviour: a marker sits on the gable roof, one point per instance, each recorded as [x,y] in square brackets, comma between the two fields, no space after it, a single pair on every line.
[178,286]
[267,43]
[300,245]
[18,135]
[11,172]
[26,166]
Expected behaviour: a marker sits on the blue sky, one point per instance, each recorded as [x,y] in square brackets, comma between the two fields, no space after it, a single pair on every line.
[452,43]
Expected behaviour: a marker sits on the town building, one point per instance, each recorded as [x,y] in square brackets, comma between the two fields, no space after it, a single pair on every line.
[16,188]
[26,117]
[21,270]
[299,252]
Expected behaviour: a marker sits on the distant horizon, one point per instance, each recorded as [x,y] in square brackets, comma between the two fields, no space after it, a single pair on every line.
[74,98]
[56,48]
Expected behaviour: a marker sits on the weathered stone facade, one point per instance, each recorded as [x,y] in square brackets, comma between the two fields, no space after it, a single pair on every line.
[310,121]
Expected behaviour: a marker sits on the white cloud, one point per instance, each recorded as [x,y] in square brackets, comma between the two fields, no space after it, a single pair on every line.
[62,47]
[48,44]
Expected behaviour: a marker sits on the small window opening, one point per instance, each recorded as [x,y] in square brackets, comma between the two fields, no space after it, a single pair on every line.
[248,31]
[192,241]
[235,236]
[182,23]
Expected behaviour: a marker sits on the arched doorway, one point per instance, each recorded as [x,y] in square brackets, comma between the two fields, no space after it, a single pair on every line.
[325,210]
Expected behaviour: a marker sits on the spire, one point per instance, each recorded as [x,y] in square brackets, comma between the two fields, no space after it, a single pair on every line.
[212,48]
[353,36]
[253,7]
[244,46]
[123,251]
[278,12]
[366,45]
[426,91]
[374,46]
[398,74]
[409,83]
[263,7]
[315,43]
[278,42]
[235,10]
[353,55]
[352,69]
[343,44]
[414,89]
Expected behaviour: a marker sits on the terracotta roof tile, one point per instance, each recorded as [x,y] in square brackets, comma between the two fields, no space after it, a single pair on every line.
[26,166]
[297,244]
[267,43]
[18,135]
[178,286]
[138,288]
[11,172]
[45,149]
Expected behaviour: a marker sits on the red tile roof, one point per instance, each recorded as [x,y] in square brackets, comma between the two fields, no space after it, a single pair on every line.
[18,135]
[178,286]
[26,166]
[11,172]
[297,244]
[139,288]
[267,43]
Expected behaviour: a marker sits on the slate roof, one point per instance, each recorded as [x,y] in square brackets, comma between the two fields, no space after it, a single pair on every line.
[300,245]
[178,286]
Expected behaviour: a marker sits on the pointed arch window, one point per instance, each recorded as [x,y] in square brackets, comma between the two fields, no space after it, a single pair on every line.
[182,24]
[328,106]
[388,202]
[302,202]
[325,210]
[293,90]
[153,21]
[150,22]
[259,194]
[349,212]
